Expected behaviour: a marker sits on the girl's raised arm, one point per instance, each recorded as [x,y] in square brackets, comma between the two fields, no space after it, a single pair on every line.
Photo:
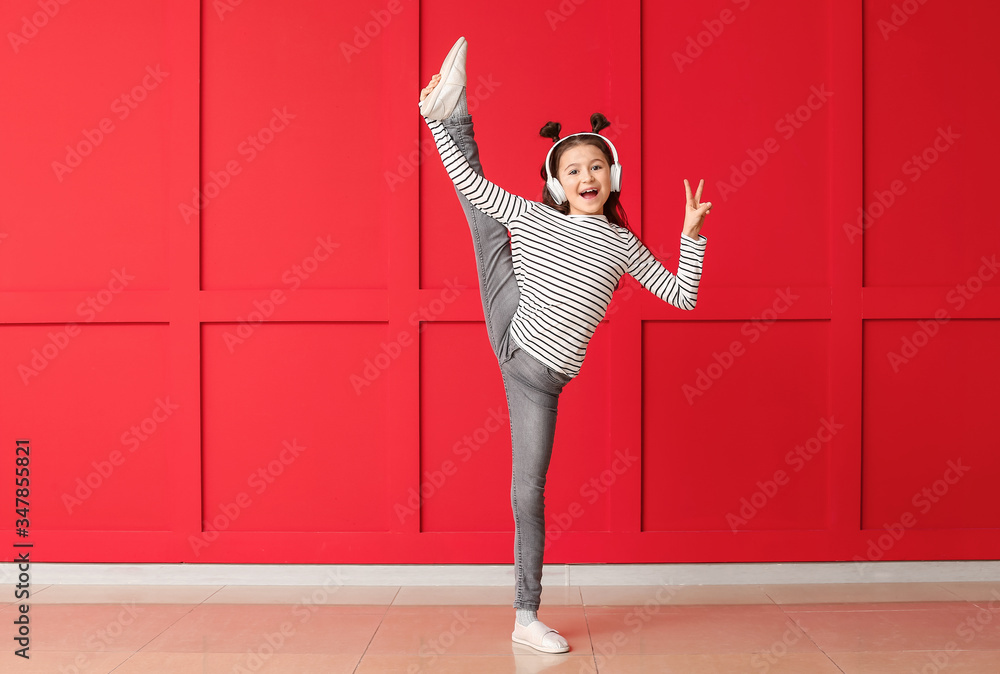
[680,290]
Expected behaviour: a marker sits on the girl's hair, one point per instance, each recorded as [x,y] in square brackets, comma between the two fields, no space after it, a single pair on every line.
[613,210]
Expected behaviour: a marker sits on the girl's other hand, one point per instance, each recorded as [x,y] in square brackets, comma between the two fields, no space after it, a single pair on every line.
[426,91]
[694,210]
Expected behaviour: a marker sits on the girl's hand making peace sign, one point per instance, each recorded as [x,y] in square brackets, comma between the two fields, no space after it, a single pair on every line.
[694,211]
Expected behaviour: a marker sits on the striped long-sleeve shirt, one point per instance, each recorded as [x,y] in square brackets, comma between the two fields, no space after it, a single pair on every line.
[567,266]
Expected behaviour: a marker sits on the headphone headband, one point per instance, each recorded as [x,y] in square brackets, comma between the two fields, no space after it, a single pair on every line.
[548,157]
[555,188]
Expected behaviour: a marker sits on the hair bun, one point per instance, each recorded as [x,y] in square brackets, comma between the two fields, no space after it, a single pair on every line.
[598,122]
[551,130]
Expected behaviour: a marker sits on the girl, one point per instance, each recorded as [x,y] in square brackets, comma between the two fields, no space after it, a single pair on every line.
[544,291]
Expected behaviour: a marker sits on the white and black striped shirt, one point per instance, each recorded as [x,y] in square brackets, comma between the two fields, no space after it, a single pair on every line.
[567,267]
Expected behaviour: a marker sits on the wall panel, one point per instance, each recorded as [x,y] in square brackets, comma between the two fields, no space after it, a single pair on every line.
[285,426]
[752,122]
[930,150]
[291,145]
[94,86]
[931,430]
[730,442]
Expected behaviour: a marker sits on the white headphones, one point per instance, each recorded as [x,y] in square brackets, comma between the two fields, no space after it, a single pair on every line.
[556,188]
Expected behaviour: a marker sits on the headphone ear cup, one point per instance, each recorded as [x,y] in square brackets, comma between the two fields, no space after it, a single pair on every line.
[556,190]
[616,178]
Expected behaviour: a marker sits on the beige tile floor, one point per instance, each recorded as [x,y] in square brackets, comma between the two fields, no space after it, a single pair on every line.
[887,628]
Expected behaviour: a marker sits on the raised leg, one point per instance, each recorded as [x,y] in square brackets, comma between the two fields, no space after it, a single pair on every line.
[497,284]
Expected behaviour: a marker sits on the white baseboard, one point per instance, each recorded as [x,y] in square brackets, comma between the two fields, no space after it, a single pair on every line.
[499,575]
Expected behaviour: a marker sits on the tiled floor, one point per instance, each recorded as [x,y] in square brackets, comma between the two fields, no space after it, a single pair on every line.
[898,628]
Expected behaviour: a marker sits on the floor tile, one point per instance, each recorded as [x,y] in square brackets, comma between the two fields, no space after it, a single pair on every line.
[695,629]
[227,663]
[520,663]
[981,593]
[558,595]
[468,630]
[637,595]
[53,662]
[840,593]
[880,606]
[7,591]
[838,631]
[118,594]
[855,628]
[919,662]
[222,628]
[96,627]
[376,596]
[730,663]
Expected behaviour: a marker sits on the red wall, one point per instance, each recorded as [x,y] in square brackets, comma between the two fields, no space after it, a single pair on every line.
[238,305]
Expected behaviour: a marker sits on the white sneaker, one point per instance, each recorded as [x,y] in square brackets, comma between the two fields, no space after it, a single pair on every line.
[440,103]
[539,636]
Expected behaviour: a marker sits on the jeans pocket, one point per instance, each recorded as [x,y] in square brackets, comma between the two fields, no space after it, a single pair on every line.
[557,376]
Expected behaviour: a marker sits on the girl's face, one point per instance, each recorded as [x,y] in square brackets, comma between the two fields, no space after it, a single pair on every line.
[586,178]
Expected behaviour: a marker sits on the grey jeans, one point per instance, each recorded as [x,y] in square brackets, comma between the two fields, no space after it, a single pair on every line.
[532,387]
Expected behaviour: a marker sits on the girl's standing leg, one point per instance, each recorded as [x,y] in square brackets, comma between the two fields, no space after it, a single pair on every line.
[533,399]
